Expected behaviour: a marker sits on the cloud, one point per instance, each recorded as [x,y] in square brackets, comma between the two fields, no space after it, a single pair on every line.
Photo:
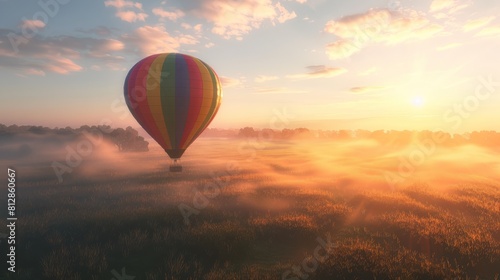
[149,40]
[284,14]
[477,23]
[209,45]
[58,54]
[263,78]
[35,72]
[356,32]
[277,90]
[359,24]
[235,18]
[439,5]
[449,46]
[368,71]
[318,71]
[229,82]
[63,65]
[366,89]
[187,40]
[343,48]
[99,31]
[174,15]
[122,4]
[447,7]
[490,31]
[32,24]
[127,15]
[131,16]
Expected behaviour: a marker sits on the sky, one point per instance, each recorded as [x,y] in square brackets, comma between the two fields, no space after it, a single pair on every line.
[430,64]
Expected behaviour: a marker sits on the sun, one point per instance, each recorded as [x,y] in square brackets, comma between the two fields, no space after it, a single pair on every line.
[418,101]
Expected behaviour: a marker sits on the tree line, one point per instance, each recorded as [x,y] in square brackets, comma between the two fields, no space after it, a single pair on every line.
[394,137]
[126,140]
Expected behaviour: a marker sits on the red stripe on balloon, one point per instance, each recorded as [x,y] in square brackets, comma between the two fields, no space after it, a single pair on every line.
[138,94]
[196,97]
[130,84]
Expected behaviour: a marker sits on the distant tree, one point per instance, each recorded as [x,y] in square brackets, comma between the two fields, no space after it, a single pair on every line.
[128,140]
[344,134]
[118,138]
[39,130]
[287,133]
[247,132]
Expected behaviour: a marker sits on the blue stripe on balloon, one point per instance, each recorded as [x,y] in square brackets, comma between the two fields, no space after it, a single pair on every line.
[182,92]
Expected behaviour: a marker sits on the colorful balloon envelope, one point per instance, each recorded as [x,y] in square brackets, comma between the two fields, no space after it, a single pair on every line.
[174,97]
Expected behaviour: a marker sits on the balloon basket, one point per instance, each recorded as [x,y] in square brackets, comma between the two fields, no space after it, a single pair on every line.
[175,167]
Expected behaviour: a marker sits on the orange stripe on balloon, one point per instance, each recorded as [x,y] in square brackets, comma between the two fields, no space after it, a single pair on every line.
[154,99]
[217,101]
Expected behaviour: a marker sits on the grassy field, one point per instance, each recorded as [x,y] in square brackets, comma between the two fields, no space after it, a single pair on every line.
[260,210]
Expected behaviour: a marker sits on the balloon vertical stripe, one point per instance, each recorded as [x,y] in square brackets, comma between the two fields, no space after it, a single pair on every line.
[154,99]
[167,89]
[206,102]
[215,98]
[196,100]
[174,97]
[129,85]
[141,95]
[182,85]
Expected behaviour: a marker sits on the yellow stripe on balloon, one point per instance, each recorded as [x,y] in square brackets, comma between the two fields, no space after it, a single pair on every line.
[205,105]
[154,97]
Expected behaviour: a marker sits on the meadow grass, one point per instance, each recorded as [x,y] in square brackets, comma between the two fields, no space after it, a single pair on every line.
[266,220]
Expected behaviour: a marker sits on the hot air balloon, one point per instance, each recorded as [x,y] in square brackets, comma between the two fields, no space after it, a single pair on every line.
[174,97]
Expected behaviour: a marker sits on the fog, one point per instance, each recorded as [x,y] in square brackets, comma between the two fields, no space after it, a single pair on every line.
[356,164]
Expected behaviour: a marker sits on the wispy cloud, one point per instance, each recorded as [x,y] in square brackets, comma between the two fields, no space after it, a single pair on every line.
[34,72]
[448,6]
[477,23]
[318,71]
[366,89]
[125,10]
[171,15]
[449,46]
[284,14]
[368,71]
[439,5]
[356,32]
[235,18]
[155,39]
[131,16]
[490,31]
[57,54]
[277,90]
[228,82]
[122,4]
[32,24]
[263,78]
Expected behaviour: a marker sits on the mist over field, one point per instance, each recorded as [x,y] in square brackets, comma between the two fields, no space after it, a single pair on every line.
[257,208]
